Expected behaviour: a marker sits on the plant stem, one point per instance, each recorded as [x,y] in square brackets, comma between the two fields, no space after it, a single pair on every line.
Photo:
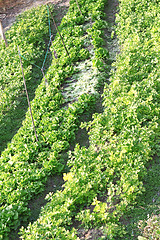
[78,7]
[58,32]
[27,95]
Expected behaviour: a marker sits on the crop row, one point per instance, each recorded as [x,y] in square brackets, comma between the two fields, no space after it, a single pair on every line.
[30,33]
[26,163]
[106,178]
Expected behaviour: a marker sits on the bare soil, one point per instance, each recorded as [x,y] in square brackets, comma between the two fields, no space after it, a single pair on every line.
[111,44]
[10,9]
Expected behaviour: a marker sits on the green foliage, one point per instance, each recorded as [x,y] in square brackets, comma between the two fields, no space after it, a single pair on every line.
[29,32]
[102,53]
[25,163]
[105,180]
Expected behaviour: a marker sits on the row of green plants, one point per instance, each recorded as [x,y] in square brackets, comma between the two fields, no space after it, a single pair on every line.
[31,34]
[106,178]
[26,163]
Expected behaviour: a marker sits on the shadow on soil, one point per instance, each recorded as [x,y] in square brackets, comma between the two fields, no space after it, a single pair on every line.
[55,183]
[12,120]
[148,204]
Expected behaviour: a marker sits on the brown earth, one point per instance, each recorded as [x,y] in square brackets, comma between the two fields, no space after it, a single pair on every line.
[9,9]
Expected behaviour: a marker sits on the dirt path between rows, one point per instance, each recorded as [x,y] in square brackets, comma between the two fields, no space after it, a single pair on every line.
[8,15]
[10,9]
[111,44]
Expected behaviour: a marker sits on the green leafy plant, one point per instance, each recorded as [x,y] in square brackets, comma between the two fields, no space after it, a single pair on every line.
[25,163]
[106,178]
[31,40]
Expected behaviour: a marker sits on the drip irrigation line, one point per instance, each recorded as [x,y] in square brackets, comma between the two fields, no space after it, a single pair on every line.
[46,52]
[28,60]
[50,40]
[58,32]
[49,44]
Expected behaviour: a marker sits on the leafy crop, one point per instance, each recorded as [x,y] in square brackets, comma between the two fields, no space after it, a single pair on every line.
[30,32]
[106,178]
[25,163]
